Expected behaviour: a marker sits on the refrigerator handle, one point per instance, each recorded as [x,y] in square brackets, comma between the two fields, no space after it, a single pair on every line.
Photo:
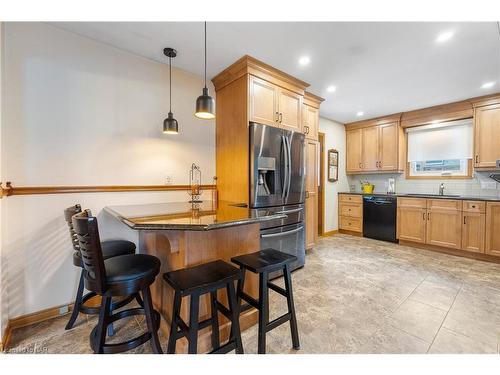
[285,172]
[289,166]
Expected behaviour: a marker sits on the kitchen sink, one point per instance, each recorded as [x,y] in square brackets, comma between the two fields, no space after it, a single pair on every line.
[434,195]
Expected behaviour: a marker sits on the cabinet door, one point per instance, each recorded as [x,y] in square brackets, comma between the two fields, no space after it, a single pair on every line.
[412,224]
[487,136]
[444,228]
[311,192]
[263,102]
[388,144]
[353,151]
[370,148]
[310,123]
[290,110]
[473,227]
[492,245]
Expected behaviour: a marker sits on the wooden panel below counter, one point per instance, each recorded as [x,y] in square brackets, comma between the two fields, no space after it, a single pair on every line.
[181,249]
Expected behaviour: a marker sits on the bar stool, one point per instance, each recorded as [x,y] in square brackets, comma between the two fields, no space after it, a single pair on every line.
[194,282]
[125,276]
[262,263]
[109,249]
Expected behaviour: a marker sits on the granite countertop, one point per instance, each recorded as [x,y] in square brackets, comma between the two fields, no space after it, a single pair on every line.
[186,216]
[433,196]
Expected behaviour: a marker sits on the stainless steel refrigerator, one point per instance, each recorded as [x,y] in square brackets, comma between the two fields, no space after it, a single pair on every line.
[277,183]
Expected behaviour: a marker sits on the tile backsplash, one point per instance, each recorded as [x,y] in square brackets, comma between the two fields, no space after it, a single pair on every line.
[480,185]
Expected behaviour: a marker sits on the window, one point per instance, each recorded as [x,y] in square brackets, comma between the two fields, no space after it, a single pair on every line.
[440,150]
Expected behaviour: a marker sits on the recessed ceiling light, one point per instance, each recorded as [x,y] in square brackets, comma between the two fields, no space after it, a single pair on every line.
[360,113]
[331,88]
[443,37]
[488,85]
[304,60]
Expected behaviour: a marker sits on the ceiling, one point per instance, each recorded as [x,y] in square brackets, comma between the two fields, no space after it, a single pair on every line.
[377,68]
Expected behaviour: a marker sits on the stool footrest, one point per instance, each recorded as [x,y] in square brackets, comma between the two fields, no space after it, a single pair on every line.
[250,300]
[223,309]
[226,348]
[278,321]
[277,289]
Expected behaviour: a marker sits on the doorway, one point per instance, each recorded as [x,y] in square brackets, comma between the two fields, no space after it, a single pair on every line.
[321,187]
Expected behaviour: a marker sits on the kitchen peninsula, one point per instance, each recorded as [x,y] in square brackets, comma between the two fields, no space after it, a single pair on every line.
[181,235]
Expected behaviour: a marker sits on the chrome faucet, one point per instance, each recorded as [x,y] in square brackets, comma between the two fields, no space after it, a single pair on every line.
[441,189]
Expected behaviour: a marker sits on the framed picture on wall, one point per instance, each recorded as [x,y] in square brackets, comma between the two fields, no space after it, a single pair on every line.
[333,165]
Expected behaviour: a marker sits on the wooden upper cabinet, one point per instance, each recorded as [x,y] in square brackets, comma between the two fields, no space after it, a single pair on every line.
[310,122]
[370,148]
[263,102]
[388,147]
[486,136]
[289,110]
[353,150]
[492,245]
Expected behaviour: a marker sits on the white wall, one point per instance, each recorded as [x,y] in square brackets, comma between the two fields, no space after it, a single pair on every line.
[77,112]
[334,138]
[3,290]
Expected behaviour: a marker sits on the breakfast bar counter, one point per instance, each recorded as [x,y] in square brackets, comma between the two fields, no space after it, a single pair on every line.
[182,235]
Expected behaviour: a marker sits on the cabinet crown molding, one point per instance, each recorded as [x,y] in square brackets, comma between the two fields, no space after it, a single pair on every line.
[313,100]
[250,65]
[396,117]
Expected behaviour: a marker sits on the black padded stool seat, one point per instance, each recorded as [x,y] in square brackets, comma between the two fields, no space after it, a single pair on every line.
[196,281]
[111,248]
[128,268]
[262,263]
[124,275]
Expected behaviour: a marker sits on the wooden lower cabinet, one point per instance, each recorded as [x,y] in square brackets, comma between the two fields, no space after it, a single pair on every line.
[351,212]
[444,228]
[412,223]
[473,231]
[311,192]
[492,245]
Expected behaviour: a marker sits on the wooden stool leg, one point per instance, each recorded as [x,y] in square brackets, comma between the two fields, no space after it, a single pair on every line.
[172,339]
[77,304]
[193,323]
[215,320]
[235,317]
[263,311]
[150,320]
[291,308]
[104,313]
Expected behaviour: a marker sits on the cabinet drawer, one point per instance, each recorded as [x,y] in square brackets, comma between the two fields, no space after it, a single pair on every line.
[351,210]
[474,206]
[444,204]
[351,198]
[412,202]
[350,223]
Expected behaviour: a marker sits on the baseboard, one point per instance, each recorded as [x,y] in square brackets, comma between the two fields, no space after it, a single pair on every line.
[29,319]
[350,232]
[456,252]
[330,233]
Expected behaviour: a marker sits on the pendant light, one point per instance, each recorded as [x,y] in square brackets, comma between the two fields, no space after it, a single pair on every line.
[170,124]
[205,104]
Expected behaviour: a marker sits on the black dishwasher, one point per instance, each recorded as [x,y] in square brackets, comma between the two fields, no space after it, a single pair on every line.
[379,217]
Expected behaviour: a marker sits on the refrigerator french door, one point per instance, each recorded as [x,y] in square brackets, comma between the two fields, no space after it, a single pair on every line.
[277,166]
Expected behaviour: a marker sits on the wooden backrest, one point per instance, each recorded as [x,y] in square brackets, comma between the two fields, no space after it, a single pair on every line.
[87,233]
[68,215]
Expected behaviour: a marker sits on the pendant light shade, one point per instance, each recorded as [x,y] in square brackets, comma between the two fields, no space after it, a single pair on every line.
[205,104]
[170,124]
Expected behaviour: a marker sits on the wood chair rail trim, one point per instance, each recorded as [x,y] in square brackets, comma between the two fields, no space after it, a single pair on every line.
[10,190]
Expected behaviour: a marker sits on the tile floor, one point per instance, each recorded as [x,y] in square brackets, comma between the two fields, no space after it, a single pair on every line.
[355,295]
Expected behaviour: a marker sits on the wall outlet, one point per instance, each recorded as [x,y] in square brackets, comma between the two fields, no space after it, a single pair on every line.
[63,310]
[169,180]
[488,185]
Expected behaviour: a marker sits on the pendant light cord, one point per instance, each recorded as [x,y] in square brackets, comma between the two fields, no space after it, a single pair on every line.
[205,54]
[170,72]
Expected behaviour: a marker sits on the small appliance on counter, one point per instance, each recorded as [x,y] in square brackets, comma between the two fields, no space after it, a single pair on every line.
[391,185]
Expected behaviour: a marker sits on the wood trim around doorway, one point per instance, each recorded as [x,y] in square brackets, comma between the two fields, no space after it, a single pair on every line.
[321,197]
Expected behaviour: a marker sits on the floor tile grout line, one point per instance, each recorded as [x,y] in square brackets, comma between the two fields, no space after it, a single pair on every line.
[437,332]
[409,295]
